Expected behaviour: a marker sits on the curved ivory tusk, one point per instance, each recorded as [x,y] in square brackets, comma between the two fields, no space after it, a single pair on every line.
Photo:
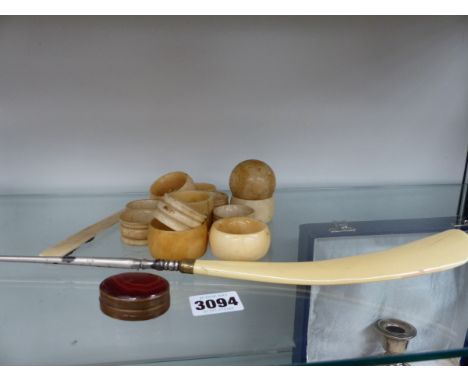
[435,253]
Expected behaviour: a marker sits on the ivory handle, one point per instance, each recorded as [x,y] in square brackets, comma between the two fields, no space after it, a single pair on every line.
[73,242]
[435,253]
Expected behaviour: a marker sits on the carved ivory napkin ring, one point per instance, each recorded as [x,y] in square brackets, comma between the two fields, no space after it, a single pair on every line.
[178,230]
[134,221]
[177,215]
[232,210]
[172,181]
[165,243]
[175,223]
[239,239]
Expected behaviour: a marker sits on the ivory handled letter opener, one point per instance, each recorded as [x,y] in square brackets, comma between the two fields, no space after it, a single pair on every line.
[435,253]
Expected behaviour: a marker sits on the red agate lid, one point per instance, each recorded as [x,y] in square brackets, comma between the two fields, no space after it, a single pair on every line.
[134,296]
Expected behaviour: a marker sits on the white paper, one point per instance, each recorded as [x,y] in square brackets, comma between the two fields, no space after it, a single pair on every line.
[215,303]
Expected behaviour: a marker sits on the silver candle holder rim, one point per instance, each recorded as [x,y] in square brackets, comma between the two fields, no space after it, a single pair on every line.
[396,329]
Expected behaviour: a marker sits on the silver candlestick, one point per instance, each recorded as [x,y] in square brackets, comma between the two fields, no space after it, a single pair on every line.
[396,335]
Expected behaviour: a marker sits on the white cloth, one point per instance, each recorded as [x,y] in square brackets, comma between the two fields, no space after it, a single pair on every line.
[341,318]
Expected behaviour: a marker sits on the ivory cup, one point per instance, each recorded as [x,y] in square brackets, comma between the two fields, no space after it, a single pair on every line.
[232,210]
[170,182]
[239,239]
[264,210]
[164,243]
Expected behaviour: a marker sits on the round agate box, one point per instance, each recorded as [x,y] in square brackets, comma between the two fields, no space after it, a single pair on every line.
[134,296]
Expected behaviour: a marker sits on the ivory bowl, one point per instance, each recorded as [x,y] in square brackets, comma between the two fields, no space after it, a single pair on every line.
[170,182]
[164,243]
[239,239]
[232,210]
[264,210]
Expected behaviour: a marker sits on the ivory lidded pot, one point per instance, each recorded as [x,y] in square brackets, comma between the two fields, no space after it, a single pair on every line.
[170,182]
[239,239]
[264,209]
[252,179]
[167,244]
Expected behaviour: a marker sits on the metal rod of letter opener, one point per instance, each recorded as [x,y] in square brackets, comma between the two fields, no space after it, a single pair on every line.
[160,265]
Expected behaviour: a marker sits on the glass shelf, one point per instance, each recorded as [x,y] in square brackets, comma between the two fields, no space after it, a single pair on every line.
[50,314]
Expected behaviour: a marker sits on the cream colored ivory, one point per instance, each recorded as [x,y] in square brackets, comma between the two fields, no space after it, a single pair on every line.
[435,253]
[263,209]
[73,242]
[185,209]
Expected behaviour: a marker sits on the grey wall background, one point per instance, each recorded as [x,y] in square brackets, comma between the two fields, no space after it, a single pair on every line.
[93,104]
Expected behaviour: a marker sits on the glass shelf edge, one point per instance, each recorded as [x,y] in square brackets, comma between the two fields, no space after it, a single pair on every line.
[392,359]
